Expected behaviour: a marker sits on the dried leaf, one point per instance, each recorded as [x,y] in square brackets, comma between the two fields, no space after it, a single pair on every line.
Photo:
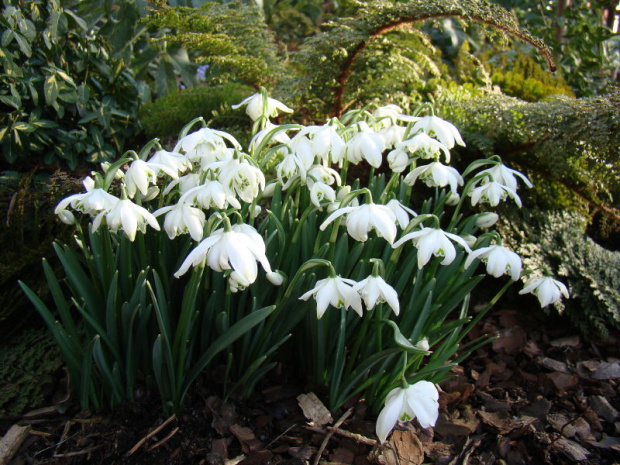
[314,410]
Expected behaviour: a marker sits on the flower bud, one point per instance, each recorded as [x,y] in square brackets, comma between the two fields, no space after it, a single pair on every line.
[486,220]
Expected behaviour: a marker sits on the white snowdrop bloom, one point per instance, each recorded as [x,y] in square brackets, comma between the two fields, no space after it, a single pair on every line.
[301,146]
[127,216]
[444,131]
[91,202]
[431,241]
[387,115]
[453,199]
[435,175]
[280,137]
[340,195]
[182,218]
[398,159]
[321,173]
[548,290]
[256,107]
[327,145]
[367,145]
[423,146]
[237,282]
[393,135]
[420,400]
[486,220]
[289,169]
[502,174]
[185,183]
[105,166]
[141,174]
[245,179]
[238,249]
[470,240]
[402,213]
[211,194]
[175,161]
[360,220]
[493,193]
[499,261]
[206,145]
[335,291]
[321,193]
[374,290]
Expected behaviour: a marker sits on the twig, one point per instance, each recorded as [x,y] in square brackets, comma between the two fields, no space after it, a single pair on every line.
[331,432]
[150,435]
[79,452]
[280,435]
[343,432]
[163,441]
[12,441]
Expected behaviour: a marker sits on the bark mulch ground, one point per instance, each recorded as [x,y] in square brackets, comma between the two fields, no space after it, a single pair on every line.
[539,394]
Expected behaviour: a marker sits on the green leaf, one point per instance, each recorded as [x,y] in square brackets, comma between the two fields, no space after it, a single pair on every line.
[51,90]
[24,45]
[11,101]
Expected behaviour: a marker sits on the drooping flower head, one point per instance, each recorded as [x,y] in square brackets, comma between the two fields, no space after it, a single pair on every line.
[374,290]
[499,261]
[444,131]
[436,174]
[361,219]
[547,289]
[335,291]
[432,241]
[256,107]
[127,216]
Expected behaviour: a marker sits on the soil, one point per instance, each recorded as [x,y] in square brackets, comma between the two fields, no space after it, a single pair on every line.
[539,394]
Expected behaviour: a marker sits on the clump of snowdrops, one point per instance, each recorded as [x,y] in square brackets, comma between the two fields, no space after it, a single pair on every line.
[165,281]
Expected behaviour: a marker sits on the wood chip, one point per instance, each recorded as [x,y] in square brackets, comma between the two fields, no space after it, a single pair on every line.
[11,442]
[607,371]
[570,341]
[571,449]
[314,410]
[408,447]
[554,365]
[246,437]
[603,408]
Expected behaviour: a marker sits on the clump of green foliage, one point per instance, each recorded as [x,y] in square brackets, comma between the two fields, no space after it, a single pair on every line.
[231,37]
[28,370]
[556,241]
[570,144]
[525,78]
[63,99]
[166,116]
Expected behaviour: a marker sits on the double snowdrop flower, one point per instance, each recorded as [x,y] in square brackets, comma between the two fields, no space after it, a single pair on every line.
[499,261]
[444,131]
[335,291]
[493,193]
[419,400]
[238,249]
[91,202]
[502,174]
[365,144]
[327,145]
[127,216]
[211,194]
[174,161]
[423,146]
[548,290]
[431,241]
[141,174]
[374,290]
[436,174]
[206,146]
[245,179]
[181,219]
[256,107]
[361,219]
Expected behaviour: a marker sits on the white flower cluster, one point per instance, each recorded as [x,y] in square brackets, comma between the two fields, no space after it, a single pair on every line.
[197,185]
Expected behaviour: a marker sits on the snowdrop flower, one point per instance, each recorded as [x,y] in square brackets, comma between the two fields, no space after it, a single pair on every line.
[431,241]
[256,107]
[185,183]
[335,291]
[140,174]
[301,146]
[486,220]
[402,213]
[327,145]
[374,290]
[453,199]
[398,159]
[387,115]
[365,144]
[502,174]
[206,146]
[289,169]
[417,400]
[182,218]
[321,192]
[280,137]
[365,217]
[237,249]
[548,290]
[211,194]
[499,260]
[493,193]
[340,195]
[245,179]
[444,131]
[323,174]
[175,161]
[424,146]
[393,135]
[127,216]
[91,202]
[435,175]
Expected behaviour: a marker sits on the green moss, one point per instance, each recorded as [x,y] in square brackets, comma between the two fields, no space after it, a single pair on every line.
[28,372]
